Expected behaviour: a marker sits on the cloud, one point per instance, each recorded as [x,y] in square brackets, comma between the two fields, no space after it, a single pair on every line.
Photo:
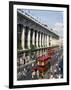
[58,28]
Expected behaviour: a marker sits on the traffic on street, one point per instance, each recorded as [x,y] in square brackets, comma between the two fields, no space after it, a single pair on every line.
[47,66]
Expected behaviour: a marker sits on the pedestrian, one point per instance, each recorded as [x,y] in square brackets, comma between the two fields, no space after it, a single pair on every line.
[24,59]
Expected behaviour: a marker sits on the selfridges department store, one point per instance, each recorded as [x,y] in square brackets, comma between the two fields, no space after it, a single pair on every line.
[33,38]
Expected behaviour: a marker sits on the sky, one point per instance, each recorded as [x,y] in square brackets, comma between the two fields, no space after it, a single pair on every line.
[53,19]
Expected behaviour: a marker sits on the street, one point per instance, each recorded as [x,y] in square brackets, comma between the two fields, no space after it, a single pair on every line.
[55,71]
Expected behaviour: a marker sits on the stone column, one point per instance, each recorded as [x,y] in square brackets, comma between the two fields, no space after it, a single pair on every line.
[47,41]
[29,38]
[50,40]
[40,40]
[23,39]
[43,40]
[33,38]
[37,39]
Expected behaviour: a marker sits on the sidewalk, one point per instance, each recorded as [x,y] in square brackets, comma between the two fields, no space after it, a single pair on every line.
[22,66]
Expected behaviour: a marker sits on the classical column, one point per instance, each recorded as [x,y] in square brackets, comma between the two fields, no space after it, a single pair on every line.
[47,41]
[23,39]
[43,40]
[40,40]
[50,40]
[37,39]
[29,38]
[33,38]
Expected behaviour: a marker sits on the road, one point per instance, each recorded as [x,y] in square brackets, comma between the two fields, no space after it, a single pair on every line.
[56,69]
